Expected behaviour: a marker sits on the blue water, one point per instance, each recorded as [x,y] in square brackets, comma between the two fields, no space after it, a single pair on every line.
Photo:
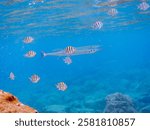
[122,65]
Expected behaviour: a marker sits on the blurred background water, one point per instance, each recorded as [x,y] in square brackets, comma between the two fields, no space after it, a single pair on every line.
[122,65]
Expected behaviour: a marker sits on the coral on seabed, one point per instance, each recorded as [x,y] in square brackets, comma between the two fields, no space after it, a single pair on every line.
[10,104]
[119,103]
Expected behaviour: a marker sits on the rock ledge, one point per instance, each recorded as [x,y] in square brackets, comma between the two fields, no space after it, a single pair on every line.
[10,104]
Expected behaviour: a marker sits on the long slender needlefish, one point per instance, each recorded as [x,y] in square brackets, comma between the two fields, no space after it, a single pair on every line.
[72,51]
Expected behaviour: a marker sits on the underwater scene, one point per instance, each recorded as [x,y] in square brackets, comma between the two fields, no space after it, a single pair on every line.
[76,56]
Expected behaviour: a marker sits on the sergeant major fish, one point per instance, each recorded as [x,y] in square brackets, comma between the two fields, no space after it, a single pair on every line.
[143,6]
[34,78]
[28,40]
[112,12]
[12,76]
[30,54]
[70,50]
[97,25]
[67,60]
[61,86]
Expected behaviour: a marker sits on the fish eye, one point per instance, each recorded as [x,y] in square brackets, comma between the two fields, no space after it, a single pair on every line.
[92,50]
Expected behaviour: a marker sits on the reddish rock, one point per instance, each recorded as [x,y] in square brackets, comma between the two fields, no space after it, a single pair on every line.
[10,104]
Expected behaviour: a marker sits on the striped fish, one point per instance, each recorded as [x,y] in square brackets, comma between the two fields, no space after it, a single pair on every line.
[34,78]
[61,86]
[112,12]
[97,25]
[12,76]
[143,6]
[70,50]
[28,40]
[67,60]
[30,54]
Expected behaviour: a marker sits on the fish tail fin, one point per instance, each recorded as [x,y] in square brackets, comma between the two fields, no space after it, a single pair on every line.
[43,54]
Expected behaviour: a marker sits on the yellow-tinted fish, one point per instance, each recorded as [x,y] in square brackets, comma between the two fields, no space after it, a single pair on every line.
[30,54]
[61,86]
[34,78]
[28,40]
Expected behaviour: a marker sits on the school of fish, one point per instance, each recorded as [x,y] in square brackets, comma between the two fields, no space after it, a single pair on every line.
[70,51]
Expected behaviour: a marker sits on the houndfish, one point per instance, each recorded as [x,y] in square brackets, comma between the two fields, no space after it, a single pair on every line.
[72,51]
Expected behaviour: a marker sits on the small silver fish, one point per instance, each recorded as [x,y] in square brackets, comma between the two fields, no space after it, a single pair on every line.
[12,76]
[34,78]
[112,12]
[97,25]
[61,86]
[143,6]
[28,40]
[67,60]
[30,54]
